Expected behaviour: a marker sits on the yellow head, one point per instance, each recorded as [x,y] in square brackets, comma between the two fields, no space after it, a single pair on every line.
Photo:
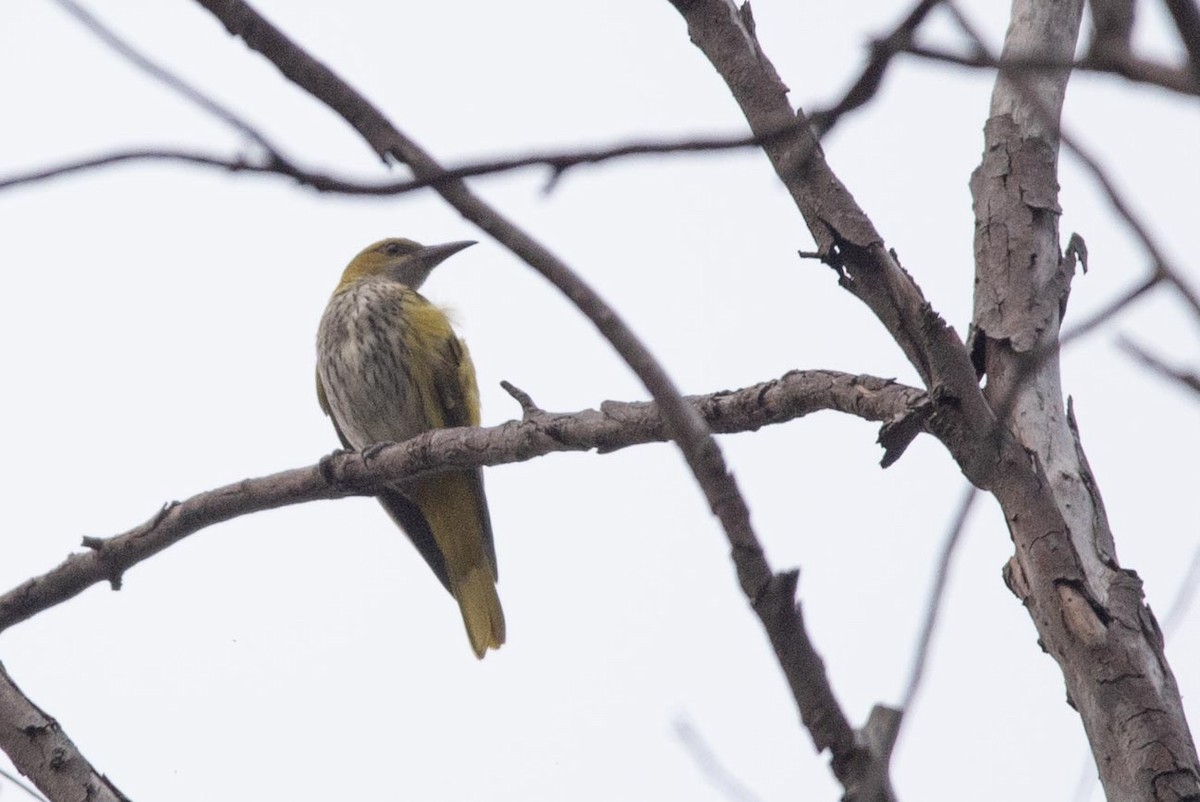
[401,260]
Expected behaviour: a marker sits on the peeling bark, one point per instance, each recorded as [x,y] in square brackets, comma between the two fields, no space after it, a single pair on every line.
[1089,612]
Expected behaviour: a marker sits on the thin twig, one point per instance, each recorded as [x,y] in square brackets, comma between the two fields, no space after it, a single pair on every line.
[15,780]
[1189,380]
[722,779]
[936,595]
[1139,71]
[558,161]
[1181,605]
[1106,312]
[165,76]
[136,155]
[871,78]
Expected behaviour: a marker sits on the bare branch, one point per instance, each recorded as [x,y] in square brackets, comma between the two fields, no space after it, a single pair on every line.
[1161,266]
[1187,379]
[1088,611]
[165,76]
[1112,23]
[847,241]
[1106,312]
[936,596]
[1185,595]
[1177,612]
[868,83]
[558,161]
[42,752]
[1137,70]
[1186,15]
[15,780]
[721,778]
[124,156]
[614,426]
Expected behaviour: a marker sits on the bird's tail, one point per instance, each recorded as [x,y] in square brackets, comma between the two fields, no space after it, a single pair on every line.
[481,611]
[456,511]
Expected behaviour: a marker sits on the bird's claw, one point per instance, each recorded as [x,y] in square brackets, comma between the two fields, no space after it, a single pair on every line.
[325,466]
[372,451]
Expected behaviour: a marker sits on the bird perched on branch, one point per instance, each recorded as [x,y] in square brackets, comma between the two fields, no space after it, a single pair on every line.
[390,367]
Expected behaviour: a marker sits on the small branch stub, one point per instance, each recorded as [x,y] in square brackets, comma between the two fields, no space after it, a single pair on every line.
[529,409]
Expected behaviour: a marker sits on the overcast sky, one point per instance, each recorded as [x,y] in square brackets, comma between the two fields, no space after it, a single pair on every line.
[158,325]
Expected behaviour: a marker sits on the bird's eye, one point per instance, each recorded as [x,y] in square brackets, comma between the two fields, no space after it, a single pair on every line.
[394,249]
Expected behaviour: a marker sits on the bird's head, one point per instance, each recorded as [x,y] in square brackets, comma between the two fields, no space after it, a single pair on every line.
[401,260]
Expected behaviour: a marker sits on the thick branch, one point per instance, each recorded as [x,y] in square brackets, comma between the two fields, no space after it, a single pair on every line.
[614,426]
[1089,612]
[846,238]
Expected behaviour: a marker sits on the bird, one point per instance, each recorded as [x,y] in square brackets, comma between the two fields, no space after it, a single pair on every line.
[389,367]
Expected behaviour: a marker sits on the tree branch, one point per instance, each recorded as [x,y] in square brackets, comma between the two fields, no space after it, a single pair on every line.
[936,596]
[871,79]
[1137,70]
[614,426]
[1088,611]
[1186,15]
[1044,113]
[42,751]
[559,162]
[1190,380]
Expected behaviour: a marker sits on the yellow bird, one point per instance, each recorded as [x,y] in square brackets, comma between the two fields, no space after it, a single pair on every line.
[390,367]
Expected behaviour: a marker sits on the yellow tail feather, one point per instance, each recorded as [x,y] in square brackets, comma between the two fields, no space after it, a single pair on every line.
[454,508]
[481,612]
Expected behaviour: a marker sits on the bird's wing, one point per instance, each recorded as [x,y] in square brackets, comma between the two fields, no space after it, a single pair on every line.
[408,517]
[458,394]
[324,402]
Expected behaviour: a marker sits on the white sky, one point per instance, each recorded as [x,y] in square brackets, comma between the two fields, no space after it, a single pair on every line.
[160,325]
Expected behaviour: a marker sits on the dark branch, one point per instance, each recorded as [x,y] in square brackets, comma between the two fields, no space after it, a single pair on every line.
[1186,15]
[871,79]
[166,77]
[558,161]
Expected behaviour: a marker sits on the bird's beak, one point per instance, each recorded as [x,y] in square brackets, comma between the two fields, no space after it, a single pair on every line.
[433,255]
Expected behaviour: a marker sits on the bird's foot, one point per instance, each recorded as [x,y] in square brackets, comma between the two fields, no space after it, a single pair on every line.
[372,451]
[326,468]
